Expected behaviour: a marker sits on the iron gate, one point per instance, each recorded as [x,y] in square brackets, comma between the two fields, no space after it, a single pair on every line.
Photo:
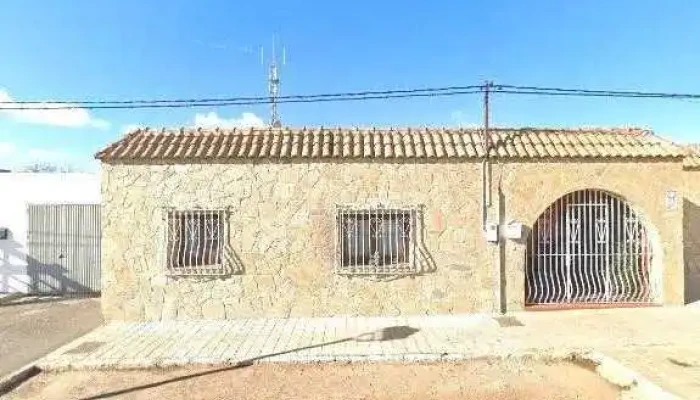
[63,254]
[588,247]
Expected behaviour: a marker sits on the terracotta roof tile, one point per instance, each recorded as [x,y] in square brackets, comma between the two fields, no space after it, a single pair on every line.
[321,143]
[692,159]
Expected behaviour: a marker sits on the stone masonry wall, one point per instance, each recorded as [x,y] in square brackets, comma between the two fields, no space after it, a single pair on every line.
[691,235]
[282,227]
[530,188]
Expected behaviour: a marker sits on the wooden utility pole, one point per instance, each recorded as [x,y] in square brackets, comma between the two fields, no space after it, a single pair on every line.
[487,140]
[498,257]
[487,133]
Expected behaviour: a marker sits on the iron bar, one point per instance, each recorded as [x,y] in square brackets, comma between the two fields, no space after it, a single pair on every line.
[195,241]
[376,240]
[588,247]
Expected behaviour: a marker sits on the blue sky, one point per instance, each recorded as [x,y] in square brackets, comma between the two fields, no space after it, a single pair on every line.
[107,49]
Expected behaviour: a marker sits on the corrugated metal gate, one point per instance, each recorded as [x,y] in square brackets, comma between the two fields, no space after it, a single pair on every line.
[63,254]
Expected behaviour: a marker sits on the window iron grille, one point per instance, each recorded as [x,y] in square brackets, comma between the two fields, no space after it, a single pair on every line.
[376,241]
[195,241]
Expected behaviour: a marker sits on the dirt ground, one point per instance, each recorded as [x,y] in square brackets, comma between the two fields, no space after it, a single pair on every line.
[473,380]
[30,327]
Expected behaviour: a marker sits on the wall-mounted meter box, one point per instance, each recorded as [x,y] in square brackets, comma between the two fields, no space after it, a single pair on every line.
[514,230]
[671,199]
[491,232]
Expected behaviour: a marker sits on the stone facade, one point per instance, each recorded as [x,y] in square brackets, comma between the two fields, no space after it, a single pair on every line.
[691,235]
[282,227]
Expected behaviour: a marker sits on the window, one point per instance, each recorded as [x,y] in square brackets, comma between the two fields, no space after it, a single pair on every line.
[376,241]
[195,242]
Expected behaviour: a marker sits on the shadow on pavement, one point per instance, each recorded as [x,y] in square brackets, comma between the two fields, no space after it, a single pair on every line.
[39,299]
[385,334]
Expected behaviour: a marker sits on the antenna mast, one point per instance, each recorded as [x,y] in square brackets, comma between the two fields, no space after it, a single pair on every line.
[273,85]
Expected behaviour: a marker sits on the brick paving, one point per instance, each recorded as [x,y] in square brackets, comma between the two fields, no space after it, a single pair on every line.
[636,337]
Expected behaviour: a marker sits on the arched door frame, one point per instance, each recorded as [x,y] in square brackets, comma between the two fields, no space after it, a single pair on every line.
[621,265]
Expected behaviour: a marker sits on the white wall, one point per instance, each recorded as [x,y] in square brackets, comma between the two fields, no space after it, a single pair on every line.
[19,189]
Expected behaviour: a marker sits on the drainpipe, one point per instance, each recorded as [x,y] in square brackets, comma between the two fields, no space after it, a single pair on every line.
[484,206]
[500,271]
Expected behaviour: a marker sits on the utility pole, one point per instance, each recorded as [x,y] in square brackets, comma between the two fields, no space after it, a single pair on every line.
[487,132]
[498,257]
[488,143]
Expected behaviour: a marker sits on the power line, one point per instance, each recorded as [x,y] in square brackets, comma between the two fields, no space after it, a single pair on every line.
[573,94]
[445,91]
[588,92]
[234,99]
[262,100]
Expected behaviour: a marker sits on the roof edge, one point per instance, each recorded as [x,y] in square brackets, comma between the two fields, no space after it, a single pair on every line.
[202,142]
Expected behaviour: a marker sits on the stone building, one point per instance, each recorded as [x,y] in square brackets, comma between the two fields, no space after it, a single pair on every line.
[320,222]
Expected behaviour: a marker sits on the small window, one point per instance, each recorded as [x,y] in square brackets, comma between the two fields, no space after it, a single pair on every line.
[195,242]
[376,241]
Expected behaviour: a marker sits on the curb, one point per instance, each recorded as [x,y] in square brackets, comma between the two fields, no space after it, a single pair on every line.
[10,297]
[57,366]
[630,381]
[12,380]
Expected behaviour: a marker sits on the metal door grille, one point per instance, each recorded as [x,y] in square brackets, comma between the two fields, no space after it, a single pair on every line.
[588,247]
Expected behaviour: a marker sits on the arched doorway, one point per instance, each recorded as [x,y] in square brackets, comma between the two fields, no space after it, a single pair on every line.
[588,247]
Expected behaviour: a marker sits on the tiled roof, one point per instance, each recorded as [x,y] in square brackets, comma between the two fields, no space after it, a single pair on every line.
[692,159]
[430,143]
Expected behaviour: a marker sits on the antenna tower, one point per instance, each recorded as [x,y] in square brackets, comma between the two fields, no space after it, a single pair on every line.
[273,84]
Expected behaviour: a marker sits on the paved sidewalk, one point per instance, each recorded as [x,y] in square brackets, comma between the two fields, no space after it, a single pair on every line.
[626,331]
[31,327]
[675,368]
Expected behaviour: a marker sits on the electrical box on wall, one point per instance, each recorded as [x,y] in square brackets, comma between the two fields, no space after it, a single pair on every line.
[514,230]
[671,200]
[492,232]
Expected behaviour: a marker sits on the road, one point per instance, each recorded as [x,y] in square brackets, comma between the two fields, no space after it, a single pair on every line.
[33,327]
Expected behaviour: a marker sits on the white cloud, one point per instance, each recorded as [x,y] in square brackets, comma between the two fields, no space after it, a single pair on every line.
[78,162]
[73,118]
[16,157]
[48,155]
[212,120]
[7,148]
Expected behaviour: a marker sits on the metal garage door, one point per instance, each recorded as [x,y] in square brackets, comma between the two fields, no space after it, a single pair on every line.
[63,254]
